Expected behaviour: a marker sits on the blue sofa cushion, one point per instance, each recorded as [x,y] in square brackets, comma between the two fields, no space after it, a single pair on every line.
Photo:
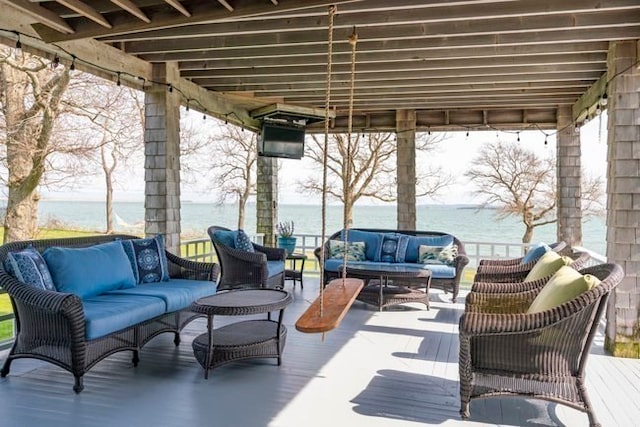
[335,265]
[176,294]
[437,254]
[438,271]
[148,259]
[372,241]
[393,247]
[29,267]
[415,242]
[354,251]
[274,268]
[90,271]
[535,252]
[105,314]
[243,242]
[226,237]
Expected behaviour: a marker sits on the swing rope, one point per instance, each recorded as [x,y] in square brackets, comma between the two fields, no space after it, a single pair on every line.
[325,156]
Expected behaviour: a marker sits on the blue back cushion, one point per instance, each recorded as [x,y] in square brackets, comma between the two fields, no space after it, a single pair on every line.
[372,241]
[535,252]
[415,242]
[243,242]
[90,271]
[226,237]
[29,267]
[393,247]
[148,259]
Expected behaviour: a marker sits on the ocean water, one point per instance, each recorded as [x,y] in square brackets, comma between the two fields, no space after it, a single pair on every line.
[468,224]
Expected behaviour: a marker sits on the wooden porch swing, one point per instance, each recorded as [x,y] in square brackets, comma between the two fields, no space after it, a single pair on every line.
[328,310]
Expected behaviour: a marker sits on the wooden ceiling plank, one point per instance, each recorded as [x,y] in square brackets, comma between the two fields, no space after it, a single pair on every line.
[179,7]
[226,5]
[45,16]
[86,11]
[131,7]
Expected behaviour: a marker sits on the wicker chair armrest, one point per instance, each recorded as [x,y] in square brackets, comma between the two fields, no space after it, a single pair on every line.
[245,256]
[461,261]
[504,288]
[195,270]
[506,274]
[273,254]
[500,303]
[488,263]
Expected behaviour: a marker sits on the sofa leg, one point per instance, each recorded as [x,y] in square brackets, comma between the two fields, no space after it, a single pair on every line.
[6,367]
[136,357]
[78,385]
[176,339]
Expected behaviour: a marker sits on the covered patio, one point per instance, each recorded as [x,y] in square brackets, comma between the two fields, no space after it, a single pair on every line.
[392,368]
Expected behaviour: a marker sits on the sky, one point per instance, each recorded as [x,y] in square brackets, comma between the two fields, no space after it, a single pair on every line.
[454,154]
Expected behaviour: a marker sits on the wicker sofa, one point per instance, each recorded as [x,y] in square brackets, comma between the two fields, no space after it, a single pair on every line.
[443,276]
[76,330]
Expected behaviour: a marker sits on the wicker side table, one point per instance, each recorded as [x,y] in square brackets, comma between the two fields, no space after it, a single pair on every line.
[295,272]
[246,339]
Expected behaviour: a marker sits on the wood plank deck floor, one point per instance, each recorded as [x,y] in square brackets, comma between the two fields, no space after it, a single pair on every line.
[392,368]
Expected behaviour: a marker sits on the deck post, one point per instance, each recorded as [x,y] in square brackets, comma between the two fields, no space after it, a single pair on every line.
[569,173]
[406,169]
[267,198]
[623,196]
[162,157]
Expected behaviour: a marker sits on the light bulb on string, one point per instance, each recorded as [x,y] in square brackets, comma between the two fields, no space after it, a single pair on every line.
[467,136]
[598,109]
[55,62]
[604,99]
[18,51]
[118,82]
[72,67]
[518,139]
[545,139]
[576,129]
[428,131]
[170,88]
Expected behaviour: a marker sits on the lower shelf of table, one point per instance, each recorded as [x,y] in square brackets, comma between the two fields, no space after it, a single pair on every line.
[392,295]
[241,340]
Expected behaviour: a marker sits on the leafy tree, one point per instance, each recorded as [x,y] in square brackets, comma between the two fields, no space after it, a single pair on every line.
[519,183]
[371,171]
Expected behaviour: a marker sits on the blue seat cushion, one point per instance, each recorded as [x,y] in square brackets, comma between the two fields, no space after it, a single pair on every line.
[176,294]
[438,271]
[335,265]
[105,314]
[415,241]
[90,271]
[372,241]
[226,237]
[535,252]
[148,259]
[274,268]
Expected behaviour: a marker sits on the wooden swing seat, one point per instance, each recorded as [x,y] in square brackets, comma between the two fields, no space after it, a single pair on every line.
[339,294]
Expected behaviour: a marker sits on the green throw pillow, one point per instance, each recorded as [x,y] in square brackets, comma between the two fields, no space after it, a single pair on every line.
[437,254]
[563,286]
[355,250]
[547,265]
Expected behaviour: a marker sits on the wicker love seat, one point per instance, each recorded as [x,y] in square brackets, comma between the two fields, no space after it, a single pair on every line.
[95,301]
[402,248]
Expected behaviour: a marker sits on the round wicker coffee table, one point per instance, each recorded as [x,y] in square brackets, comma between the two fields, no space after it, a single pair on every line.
[246,339]
[391,284]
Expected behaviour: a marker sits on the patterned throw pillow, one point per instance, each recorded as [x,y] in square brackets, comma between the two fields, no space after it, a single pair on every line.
[148,259]
[355,250]
[29,267]
[243,242]
[437,254]
[393,248]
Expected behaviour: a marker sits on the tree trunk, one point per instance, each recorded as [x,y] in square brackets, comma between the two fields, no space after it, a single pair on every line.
[528,234]
[242,202]
[109,202]
[21,221]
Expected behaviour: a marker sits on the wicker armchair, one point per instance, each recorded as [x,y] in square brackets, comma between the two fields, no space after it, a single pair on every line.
[242,269]
[517,273]
[489,265]
[504,351]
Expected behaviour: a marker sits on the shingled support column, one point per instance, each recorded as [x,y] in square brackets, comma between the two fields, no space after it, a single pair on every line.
[267,198]
[162,158]
[568,170]
[623,201]
[406,169]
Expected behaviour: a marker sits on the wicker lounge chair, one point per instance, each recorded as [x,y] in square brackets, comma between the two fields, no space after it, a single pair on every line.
[487,265]
[242,269]
[504,351]
[517,273]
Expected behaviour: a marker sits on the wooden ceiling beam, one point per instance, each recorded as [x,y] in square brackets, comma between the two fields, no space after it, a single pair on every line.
[131,7]
[179,7]
[123,22]
[226,5]
[45,16]
[86,11]
[370,15]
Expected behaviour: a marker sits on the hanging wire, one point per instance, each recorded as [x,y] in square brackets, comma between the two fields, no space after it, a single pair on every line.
[325,156]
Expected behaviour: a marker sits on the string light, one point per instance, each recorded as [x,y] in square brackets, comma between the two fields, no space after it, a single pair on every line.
[170,87]
[188,100]
[518,133]
[604,99]
[72,67]
[545,139]
[55,62]
[428,131]
[118,82]
[18,50]
[467,133]
[576,129]
[598,109]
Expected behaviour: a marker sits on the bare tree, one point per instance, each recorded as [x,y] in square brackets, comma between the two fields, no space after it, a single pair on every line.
[371,169]
[30,97]
[521,184]
[233,166]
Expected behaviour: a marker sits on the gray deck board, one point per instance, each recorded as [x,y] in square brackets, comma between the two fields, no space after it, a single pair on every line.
[392,368]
